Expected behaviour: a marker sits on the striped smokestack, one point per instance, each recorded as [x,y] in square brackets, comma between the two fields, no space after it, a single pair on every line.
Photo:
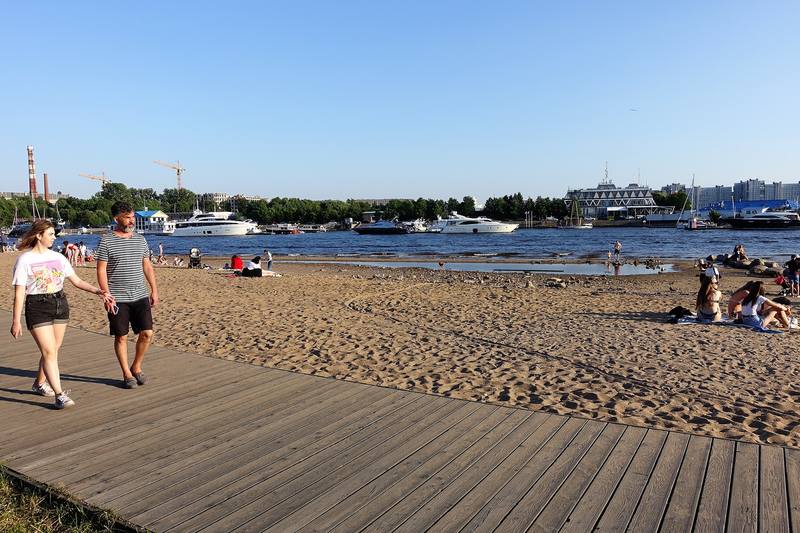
[31,173]
[46,188]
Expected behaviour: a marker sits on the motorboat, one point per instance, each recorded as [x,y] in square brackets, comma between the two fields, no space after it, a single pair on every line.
[766,220]
[456,223]
[382,227]
[213,224]
[283,229]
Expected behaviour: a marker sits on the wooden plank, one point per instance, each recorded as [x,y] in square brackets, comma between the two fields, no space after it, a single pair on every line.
[205,493]
[650,510]
[514,488]
[295,511]
[419,467]
[472,500]
[471,462]
[743,507]
[793,487]
[517,425]
[530,506]
[680,513]
[622,504]
[224,437]
[563,501]
[174,489]
[111,403]
[713,509]
[773,508]
[590,505]
[190,427]
[151,404]
[249,502]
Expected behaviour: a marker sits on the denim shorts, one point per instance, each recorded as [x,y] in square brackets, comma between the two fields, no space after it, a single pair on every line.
[752,321]
[46,309]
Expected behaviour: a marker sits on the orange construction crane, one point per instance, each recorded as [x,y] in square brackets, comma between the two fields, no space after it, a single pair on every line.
[102,178]
[174,166]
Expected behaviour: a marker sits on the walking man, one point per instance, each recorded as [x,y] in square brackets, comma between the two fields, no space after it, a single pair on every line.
[123,265]
[617,251]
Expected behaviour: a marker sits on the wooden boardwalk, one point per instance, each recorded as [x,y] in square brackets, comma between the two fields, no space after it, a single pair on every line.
[214,445]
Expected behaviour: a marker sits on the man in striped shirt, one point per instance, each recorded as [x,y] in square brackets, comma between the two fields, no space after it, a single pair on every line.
[123,265]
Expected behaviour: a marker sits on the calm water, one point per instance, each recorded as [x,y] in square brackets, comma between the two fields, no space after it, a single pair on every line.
[637,242]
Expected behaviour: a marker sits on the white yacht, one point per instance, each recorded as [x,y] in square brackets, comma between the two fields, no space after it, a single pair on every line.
[456,223]
[214,224]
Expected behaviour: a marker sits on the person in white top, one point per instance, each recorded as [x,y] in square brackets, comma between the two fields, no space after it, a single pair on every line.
[38,281]
[759,311]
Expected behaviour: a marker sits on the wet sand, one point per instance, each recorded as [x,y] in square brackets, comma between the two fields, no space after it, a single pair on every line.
[599,348]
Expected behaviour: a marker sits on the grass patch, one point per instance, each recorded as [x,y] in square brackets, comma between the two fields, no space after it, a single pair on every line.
[27,508]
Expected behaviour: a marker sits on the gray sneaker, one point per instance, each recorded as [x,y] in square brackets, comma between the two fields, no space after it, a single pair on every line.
[63,401]
[43,389]
[129,383]
[141,379]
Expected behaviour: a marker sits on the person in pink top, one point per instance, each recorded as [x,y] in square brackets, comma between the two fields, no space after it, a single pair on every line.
[38,281]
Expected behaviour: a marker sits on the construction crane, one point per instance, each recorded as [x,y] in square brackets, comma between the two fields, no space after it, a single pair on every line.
[179,170]
[102,178]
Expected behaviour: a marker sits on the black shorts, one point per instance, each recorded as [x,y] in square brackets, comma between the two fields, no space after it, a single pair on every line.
[137,314]
[46,309]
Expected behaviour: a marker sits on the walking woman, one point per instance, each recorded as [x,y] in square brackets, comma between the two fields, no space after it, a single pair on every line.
[38,280]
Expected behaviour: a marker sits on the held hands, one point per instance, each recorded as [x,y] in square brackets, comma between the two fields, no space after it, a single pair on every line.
[108,300]
[16,329]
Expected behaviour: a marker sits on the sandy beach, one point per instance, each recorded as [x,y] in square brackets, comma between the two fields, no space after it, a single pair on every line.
[600,348]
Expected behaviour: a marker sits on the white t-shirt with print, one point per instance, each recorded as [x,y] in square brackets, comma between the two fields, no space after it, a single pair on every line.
[41,273]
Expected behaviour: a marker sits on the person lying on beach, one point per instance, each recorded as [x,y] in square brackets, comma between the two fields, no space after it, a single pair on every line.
[708,298]
[735,303]
[253,268]
[759,311]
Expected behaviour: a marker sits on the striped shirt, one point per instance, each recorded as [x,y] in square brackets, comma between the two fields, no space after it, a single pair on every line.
[125,272]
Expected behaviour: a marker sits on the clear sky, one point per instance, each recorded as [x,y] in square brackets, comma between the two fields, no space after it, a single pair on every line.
[389,98]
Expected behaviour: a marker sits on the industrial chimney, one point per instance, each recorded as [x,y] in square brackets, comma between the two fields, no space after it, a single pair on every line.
[31,173]
[46,188]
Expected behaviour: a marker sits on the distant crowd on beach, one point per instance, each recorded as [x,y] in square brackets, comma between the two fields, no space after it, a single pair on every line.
[748,304]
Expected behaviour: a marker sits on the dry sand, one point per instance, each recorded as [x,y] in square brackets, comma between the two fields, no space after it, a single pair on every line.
[600,348]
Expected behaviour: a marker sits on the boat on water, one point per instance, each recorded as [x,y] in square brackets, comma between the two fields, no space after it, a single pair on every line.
[456,223]
[382,227]
[312,228]
[780,219]
[214,224]
[283,229]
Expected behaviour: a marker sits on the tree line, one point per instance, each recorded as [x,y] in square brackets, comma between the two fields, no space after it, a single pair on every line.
[96,211]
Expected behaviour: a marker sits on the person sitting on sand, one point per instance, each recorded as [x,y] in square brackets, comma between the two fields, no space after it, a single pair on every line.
[792,274]
[759,311]
[236,263]
[735,303]
[253,268]
[739,254]
[708,298]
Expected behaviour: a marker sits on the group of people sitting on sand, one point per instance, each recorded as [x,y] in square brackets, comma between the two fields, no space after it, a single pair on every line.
[747,305]
[253,268]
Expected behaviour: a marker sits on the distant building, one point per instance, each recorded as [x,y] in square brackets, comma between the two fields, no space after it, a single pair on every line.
[381,201]
[215,198]
[706,196]
[756,189]
[607,201]
[153,223]
[53,196]
[673,188]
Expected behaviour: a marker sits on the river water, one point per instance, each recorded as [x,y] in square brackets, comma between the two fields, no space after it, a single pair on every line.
[668,243]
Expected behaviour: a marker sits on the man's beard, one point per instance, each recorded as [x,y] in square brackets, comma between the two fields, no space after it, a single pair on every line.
[126,229]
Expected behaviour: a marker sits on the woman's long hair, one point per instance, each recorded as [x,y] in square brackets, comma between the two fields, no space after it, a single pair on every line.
[37,228]
[746,287]
[755,292]
[703,293]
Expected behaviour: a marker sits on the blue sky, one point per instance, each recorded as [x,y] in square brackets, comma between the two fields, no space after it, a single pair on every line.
[365,99]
